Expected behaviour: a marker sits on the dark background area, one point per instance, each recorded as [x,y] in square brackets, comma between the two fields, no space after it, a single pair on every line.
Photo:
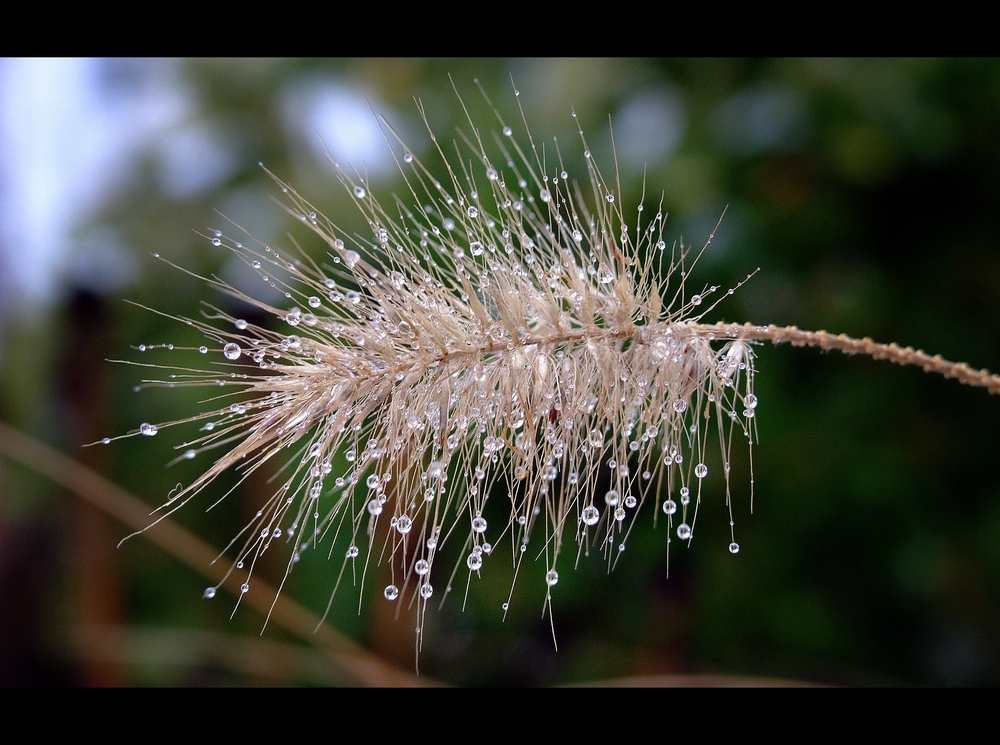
[867,192]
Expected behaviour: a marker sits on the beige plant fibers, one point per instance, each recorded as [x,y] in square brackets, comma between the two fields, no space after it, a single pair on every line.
[511,333]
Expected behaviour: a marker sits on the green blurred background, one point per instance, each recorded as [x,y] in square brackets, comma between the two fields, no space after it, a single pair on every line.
[867,191]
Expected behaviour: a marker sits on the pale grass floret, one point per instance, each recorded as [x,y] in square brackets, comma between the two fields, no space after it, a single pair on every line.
[505,335]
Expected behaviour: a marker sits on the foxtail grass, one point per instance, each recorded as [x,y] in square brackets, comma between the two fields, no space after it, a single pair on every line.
[508,334]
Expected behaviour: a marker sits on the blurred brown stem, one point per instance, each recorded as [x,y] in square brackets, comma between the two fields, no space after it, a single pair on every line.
[188,548]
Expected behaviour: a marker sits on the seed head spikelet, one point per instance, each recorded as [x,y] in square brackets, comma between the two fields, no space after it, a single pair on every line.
[509,333]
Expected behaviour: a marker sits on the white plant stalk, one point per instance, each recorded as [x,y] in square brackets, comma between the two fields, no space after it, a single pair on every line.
[508,334]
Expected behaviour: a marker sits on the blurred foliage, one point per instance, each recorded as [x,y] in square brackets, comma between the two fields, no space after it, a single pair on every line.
[867,193]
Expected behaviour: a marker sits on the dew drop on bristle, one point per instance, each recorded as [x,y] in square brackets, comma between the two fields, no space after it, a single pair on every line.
[232,351]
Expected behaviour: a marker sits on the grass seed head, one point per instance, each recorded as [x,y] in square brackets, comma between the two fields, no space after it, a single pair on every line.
[509,333]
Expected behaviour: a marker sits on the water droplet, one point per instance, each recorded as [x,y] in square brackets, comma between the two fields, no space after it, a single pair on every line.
[473,211]
[147,429]
[734,548]
[474,561]
[591,515]
[404,524]
[374,507]
[352,552]
[426,591]
[240,324]
[391,592]
[611,498]
[508,131]
[701,470]
[231,351]
[422,567]
[314,302]
[372,481]
[209,593]
[359,192]
[245,587]
[216,242]
[189,454]
[750,401]
[669,507]
[696,300]
[680,405]
[408,158]
[683,531]
[255,264]
[610,198]
[551,577]
[479,524]
[351,257]
[630,501]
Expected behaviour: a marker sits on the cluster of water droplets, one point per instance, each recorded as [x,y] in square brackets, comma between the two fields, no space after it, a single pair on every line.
[499,340]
